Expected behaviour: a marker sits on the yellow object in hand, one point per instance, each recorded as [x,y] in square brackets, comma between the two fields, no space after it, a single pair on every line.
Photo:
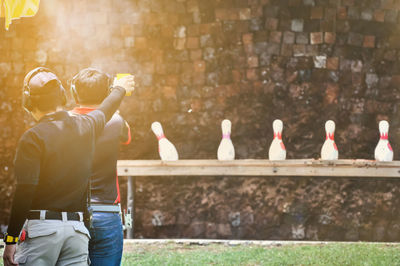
[121,75]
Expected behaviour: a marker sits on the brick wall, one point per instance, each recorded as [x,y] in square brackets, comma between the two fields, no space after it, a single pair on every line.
[251,61]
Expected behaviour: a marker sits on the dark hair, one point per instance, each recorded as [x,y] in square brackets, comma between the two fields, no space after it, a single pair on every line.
[49,98]
[90,86]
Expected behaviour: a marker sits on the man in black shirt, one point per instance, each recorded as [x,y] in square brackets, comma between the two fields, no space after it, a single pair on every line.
[52,166]
[89,88]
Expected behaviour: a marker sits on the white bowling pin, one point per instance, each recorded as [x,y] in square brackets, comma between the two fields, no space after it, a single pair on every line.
[383,151]
[226,151]
[277,150]
[329,150]
[166,149]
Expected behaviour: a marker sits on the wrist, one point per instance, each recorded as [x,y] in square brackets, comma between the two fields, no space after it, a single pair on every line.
[120,88]
[10,240]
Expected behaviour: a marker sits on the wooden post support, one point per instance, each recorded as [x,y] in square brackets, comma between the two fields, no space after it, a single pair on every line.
[130,233]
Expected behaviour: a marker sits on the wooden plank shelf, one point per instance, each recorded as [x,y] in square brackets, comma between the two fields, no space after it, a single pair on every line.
[298,167]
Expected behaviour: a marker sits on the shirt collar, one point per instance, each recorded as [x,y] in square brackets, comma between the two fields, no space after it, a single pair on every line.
[54,116]
[82,110]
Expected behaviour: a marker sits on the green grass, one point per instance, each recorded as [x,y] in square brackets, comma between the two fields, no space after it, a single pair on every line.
[219,254]
[330,254]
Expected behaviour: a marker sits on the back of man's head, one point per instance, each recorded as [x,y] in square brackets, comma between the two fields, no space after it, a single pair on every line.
[90,86]
[43,91]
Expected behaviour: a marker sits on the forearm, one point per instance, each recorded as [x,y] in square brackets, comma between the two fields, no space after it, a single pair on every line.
[21,205]
[112,102]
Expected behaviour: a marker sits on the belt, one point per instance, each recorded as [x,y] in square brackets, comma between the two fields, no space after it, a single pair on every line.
[105,208]
[52,215]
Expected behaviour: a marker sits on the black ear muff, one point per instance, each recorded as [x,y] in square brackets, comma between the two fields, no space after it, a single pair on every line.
[73,89]
[63,95]
[26,101]
[74,93]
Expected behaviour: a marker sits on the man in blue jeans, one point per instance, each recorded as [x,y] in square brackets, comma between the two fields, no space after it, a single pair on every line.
[89,87]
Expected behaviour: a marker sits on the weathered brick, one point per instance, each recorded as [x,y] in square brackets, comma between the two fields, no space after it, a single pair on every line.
[256,12]
[317,12]
[252,74]
[297,25]
[331,93]
[353,13]
[199,66]
[172,80]
[316,37]
[312,25]
[387,4]
[261,36]
[287,50]
[193,30]
[249,48]
[379,15]
[328,25]
[332,63]
[141,42]
[302,38]
[247,38]
[288,37]
[271,24]
[320,61]
[179,43]
[126,30]
[312,50]
[221,14]
[299,50]
[348,2]
[192,42]
[355,39]
[367,14]
[371,79]
[295,2]
[245,14]
[309,2]
[252,61]
[275,36]
[342,13]
[356,66]
[129,42]
[330,13]
[391,16]
[330,37]
[273,49]
[369,41]
[260,47]
[199,79]
[196,54]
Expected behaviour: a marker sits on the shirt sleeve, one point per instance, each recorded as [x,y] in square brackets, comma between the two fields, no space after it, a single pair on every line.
[125,133]
[27,171]
[21,205]
[106,110]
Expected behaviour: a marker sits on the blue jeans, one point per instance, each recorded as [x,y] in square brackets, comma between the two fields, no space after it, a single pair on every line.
[107,239]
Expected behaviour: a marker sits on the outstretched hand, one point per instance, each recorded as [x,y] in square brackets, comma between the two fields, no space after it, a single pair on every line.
[126,82]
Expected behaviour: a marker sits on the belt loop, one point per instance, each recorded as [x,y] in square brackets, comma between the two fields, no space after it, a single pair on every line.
[80,216]
[42,214]
[64,216]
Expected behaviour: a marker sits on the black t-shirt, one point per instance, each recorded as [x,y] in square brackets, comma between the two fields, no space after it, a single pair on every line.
[58,142]
[104,180]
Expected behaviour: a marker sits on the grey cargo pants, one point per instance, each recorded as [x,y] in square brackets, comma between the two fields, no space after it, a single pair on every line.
[54,242]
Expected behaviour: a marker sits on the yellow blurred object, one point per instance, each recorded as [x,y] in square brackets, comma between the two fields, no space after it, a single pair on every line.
[121,75]
[15,9]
